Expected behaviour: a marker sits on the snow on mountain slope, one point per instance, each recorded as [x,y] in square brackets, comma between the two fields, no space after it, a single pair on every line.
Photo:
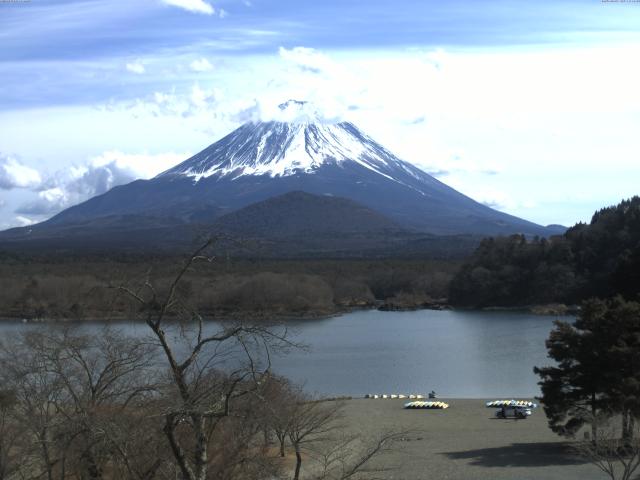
[280,149]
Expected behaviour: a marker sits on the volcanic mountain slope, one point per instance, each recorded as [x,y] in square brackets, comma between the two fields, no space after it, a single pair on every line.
[300,224]
[261,160]
[297,214]
[293,225]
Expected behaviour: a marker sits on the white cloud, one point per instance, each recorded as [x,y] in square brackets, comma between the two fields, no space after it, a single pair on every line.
[2,203]
[495,194]
[442,163]
[201,99]
[222,13]
[23,221]
[136,67]
[492,198]
[201,65]
[437,58]
[194,6]
[306,74]
[196,102]
[141,165]
[307,59]
[292,110]
[14,174]
[97,176]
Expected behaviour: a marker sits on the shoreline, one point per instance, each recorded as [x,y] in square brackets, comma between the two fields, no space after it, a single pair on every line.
[275,317]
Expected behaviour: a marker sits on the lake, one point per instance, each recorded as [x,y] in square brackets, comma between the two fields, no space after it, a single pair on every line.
[456,353]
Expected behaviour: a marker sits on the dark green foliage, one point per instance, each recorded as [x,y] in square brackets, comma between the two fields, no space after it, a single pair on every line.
[608,250]
[619,323]
[572,391]
[514,271]
[600,259]
[597,368]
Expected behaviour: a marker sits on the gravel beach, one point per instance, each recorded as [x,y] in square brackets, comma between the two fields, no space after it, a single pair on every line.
[466,441]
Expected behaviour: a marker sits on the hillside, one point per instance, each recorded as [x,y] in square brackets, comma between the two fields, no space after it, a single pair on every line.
[299,213]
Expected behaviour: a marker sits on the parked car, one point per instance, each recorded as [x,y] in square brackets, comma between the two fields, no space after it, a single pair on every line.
[513,411]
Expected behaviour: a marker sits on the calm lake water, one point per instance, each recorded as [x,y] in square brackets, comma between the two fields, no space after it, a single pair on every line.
[455,353]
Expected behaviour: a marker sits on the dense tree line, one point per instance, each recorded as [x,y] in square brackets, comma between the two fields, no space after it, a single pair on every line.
[62,288]
[599,259]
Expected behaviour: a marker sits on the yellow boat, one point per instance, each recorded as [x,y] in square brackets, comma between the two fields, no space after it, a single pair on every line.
[426,405]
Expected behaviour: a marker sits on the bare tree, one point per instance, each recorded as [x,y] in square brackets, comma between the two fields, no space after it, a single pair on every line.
[102,376]
[314,430]
[312,422]
[38,394]
[71,390]
[237,450]
[200,395]
[350,456]
[617,457]
[139,448]
[277,404]
[10,436]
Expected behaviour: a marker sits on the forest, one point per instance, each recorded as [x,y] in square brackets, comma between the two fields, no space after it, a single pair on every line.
[68,288]
[599,259]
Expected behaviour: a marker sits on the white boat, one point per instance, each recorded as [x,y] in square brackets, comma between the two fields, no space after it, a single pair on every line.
[511,403]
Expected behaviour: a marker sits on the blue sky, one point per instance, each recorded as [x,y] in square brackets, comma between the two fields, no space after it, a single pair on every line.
[530,107]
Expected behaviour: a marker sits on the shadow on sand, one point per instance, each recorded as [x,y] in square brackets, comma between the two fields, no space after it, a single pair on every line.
[520,455]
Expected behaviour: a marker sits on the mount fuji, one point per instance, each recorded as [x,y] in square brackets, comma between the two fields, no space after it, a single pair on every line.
[262,160]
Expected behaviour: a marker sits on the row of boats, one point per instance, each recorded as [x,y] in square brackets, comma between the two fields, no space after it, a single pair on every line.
[394,396]
[511,403]
[427,405]
[491,404]
[505,408]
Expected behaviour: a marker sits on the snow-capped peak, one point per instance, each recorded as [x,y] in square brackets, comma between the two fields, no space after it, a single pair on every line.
[280,149]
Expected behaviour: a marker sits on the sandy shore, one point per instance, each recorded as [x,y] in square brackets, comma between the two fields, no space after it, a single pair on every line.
[467,442]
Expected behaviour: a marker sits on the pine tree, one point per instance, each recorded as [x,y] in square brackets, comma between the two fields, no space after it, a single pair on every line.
[598,368]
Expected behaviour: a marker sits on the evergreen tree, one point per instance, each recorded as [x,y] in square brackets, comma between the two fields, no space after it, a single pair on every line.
[621,325]
[601,259]
[571,391]
[598,368]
